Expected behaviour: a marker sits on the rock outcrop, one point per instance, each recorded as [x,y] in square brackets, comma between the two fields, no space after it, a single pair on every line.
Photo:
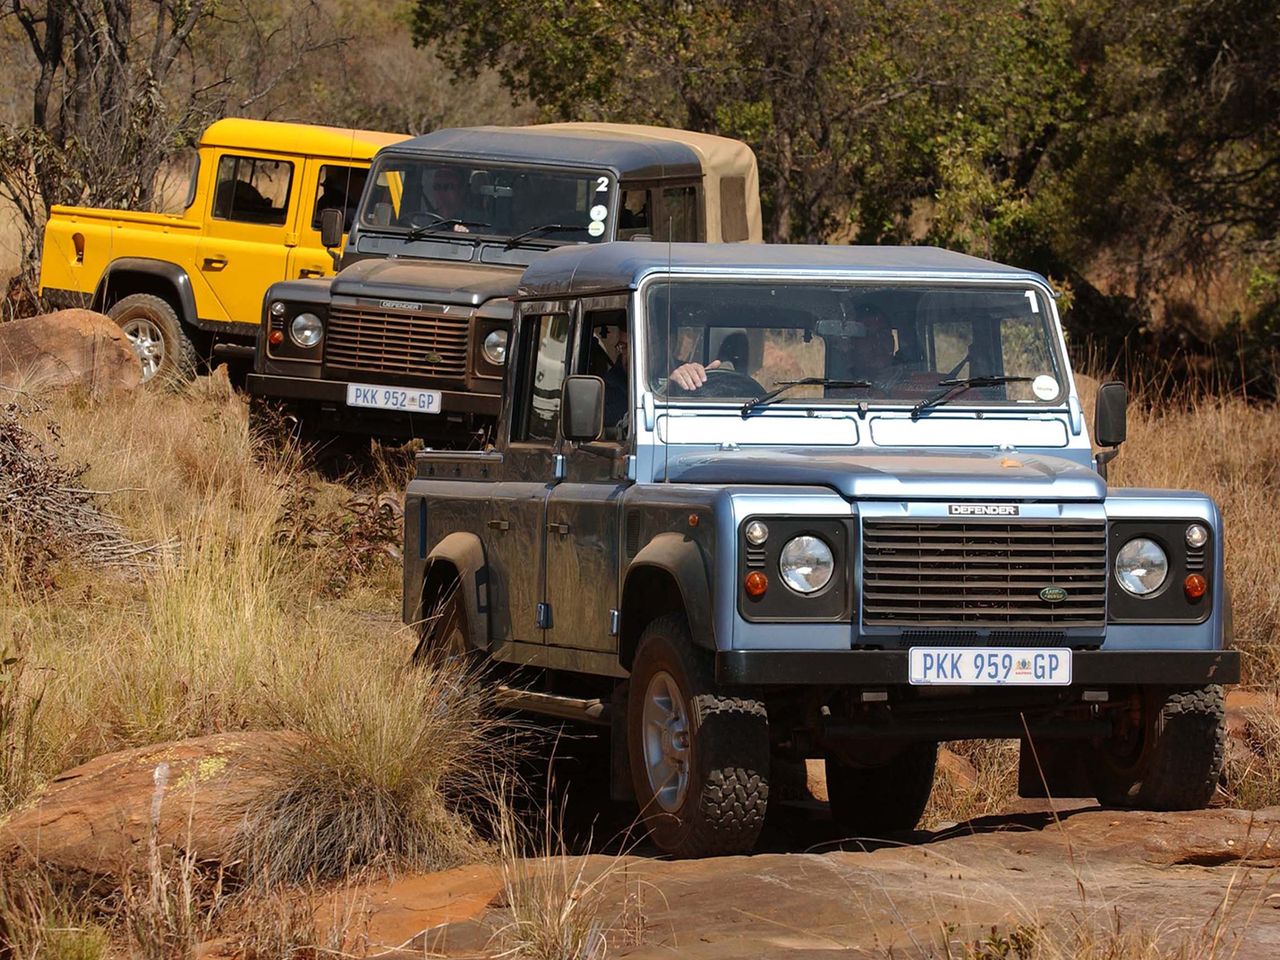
[66,348]
[96,819]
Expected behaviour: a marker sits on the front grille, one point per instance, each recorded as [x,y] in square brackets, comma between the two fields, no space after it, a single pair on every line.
[416,344]
[984,574]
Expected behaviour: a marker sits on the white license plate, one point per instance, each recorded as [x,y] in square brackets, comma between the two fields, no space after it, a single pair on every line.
[393,398]
[991,666]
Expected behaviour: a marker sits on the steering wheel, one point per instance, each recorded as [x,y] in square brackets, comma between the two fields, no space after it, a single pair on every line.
[720,383]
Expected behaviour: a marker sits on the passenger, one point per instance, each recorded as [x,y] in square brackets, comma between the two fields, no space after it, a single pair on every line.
[612,343]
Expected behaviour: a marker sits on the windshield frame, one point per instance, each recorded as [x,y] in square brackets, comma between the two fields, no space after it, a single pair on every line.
[963,401]
[475,236]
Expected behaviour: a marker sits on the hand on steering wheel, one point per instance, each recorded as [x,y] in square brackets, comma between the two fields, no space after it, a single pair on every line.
[712,381]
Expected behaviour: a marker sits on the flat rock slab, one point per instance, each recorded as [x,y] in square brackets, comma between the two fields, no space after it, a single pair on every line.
[96,818]
[1181,876]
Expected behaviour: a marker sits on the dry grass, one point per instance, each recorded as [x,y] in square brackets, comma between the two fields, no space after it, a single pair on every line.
[984,782]
[558,906]
[39,921]
[236,631]
[378,777]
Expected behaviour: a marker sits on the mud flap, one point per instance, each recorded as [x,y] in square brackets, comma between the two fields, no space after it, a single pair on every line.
[1056,768]
[621,789]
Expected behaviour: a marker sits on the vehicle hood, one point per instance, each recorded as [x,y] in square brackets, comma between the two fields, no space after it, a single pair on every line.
[898,475]
[423,281]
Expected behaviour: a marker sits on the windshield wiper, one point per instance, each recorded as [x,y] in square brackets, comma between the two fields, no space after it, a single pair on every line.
[545,228]
[442,225]
[785,385]
[953,388]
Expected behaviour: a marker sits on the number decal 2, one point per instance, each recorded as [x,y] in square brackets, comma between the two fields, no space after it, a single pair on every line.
[602,185]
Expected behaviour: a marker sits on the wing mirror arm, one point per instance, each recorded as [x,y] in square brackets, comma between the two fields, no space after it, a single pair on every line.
[1110,422]
[331,234]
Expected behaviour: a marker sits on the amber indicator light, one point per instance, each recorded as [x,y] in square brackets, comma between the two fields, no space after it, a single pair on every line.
[693,519]
[1195,586]
[276,337]
[756,583]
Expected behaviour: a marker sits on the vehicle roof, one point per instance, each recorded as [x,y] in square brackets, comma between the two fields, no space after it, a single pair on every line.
[586,269]
[630,150]
[307,139]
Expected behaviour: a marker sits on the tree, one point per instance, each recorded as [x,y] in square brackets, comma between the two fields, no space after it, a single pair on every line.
[117,93]
[841,99]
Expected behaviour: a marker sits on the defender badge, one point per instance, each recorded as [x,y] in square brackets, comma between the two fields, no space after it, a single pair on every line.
[433,357]
[1053,594]
[982,509]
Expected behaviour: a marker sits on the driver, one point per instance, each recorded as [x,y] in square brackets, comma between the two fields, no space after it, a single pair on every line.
[446,197]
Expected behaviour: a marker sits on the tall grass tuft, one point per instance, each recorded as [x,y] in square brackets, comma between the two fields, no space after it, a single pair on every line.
[388,764]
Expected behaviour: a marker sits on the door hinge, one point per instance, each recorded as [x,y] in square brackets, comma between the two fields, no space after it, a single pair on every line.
[544,616]
[499,525]
[560,528]
[290,239]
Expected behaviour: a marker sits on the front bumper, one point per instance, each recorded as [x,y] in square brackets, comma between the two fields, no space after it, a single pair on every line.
[878,668]
[335,392]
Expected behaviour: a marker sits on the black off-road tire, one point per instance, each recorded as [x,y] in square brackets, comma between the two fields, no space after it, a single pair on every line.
[1175,761]
[888,798]
[724,805]
[145,312]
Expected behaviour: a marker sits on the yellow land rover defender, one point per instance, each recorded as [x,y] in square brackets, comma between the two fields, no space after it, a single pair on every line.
[189,286]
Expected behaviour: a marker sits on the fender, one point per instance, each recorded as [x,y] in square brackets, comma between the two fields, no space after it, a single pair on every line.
[169,272]
[675,556]
[465,554]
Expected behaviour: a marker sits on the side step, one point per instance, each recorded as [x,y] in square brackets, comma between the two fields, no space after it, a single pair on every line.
[552,705]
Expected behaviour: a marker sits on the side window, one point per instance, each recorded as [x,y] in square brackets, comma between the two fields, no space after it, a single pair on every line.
[339,188]
[543,378]
[680,213]
[605,351]
[635,212]
[252,190]
[733,210]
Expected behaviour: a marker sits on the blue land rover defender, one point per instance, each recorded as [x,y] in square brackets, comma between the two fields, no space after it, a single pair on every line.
[826,502]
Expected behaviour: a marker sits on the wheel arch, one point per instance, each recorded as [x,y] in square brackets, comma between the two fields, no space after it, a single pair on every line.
[457,559]
[668,575]
[129,275]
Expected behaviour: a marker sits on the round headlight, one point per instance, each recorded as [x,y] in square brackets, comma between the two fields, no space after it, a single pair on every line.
[1141,567]
[1197,536]
[495,347]
[806,564]
[306,329]
[757,533]
[277,308]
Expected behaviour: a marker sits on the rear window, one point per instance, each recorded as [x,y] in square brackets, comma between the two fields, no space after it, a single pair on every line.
[252,190]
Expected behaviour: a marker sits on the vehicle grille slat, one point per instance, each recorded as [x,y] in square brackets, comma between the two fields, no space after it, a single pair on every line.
[984,574]
[384,342]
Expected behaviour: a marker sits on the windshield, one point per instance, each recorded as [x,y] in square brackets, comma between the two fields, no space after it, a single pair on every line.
[874,343]
[553,206]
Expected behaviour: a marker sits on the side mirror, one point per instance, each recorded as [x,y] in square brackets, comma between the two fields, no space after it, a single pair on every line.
[331,228]
[582,408]
[1109,420]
